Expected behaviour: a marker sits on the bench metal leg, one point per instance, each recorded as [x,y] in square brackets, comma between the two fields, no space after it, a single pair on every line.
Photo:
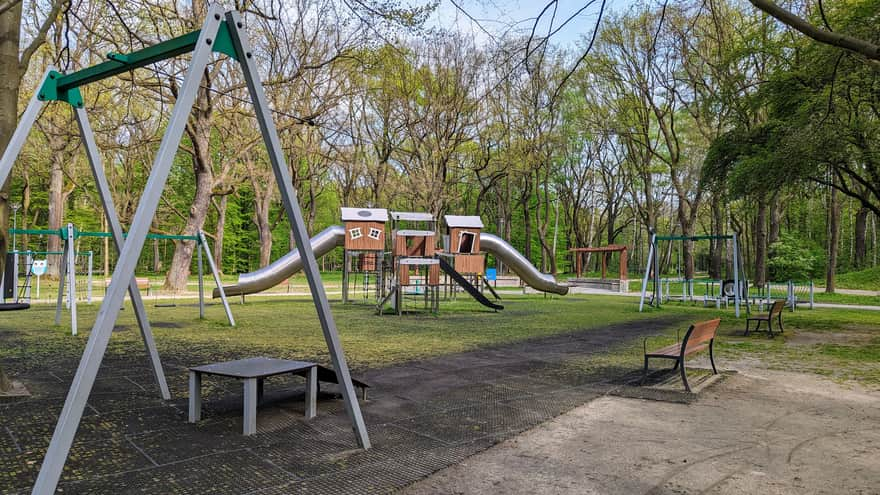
[712,356]
[684,378]
[311,392]
[195,396]
[250,406]
[645,371]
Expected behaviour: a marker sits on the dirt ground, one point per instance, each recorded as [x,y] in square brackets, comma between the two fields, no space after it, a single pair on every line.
[752,432]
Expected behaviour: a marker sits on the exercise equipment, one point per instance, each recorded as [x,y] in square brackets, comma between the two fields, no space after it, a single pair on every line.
[221,32]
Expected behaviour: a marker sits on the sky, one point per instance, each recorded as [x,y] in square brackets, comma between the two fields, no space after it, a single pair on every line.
[499,16]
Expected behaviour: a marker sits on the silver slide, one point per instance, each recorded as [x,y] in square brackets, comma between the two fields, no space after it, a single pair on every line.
[334,236]
[273,274]
[520,265]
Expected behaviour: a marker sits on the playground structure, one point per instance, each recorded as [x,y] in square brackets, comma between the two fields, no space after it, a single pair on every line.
[467,269]
[372,268]
[415,272]
[68,274]
[222,32]
[363,259]
[734,288]
[616,285]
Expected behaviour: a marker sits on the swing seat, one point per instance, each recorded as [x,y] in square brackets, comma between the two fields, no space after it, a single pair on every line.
[14,306]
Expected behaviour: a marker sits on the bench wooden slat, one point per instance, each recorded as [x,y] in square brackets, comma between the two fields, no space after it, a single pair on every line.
[674,350]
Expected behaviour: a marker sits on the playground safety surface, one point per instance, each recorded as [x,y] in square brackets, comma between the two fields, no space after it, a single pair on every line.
[422,416]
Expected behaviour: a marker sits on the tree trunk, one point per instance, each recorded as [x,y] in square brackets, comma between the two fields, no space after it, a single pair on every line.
[761,243]
[833,239]
[527,225]
[861,234]
[687,247]
[198,129]
[717,245]
[776,209]
[264,227]
[56,206]
[10,81]
[218,233]
[178,273]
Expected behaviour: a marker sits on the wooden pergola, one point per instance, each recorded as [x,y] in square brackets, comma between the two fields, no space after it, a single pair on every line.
[604,250]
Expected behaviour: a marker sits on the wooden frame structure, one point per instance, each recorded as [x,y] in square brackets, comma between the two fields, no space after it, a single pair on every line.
[604,251]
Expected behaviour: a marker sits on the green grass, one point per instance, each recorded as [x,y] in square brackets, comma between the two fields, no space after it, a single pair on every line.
[289,328]
[845,346]
[868,279]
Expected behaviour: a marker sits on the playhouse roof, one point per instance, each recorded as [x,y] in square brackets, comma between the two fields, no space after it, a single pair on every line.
[473,222]
[412,216]
[364,215]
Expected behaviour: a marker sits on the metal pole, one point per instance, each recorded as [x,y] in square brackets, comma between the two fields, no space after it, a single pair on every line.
[658,287]
[201,281]
[29,266]
[140,313]
[346,262]
[736,286]
[811,293]
[15,208]
[71,278]
[84,379]
[647,273]
[89,282]
[15,275]
[62,277]
[216,273]
[300,234]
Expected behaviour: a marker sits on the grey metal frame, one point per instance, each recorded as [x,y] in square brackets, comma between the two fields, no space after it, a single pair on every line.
[297,224]
[123,281]
[216,274]
[67,279]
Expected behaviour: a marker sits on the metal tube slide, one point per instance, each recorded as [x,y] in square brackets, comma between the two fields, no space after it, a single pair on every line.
[273,274]
[520,265]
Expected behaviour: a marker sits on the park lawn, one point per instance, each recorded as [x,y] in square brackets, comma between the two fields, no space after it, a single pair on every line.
[288,327]
[841,344]
[868,279]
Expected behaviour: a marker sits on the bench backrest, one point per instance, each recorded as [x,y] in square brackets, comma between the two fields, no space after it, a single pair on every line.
[777,307]
[700,333]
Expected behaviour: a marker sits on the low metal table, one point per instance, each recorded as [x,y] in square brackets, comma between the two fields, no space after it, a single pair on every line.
[252,371]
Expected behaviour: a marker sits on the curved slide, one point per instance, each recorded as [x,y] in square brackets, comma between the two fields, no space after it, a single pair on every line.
[514,260]
[276,272]
[334,236]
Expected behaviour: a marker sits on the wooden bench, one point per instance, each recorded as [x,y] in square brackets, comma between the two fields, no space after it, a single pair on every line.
[699,337]
[143,283]
[774,313]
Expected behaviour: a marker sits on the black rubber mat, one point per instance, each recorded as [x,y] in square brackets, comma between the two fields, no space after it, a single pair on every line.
[422,417]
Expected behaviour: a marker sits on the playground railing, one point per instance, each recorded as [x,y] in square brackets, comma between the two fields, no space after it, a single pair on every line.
[794,293]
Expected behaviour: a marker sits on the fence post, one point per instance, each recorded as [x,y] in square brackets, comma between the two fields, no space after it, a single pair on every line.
[89,281]
[811,294]
[791,296]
